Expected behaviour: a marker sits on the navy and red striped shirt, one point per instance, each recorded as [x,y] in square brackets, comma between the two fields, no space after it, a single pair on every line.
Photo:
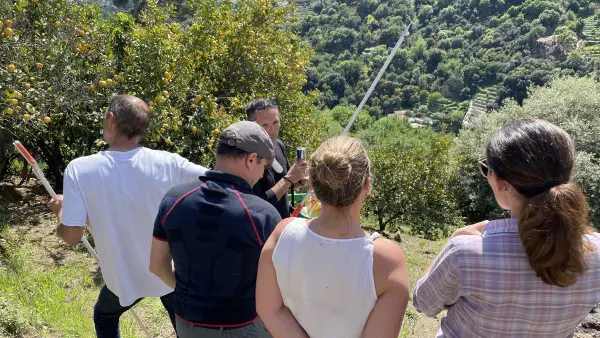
[216,229]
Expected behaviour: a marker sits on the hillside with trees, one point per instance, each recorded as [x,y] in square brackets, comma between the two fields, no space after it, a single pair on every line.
[457,50]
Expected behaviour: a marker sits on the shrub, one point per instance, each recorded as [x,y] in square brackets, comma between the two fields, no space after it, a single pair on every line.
[411,168]
[13,320]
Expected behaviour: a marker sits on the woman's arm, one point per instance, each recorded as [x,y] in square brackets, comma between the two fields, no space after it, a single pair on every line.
[269,303]
[392,285]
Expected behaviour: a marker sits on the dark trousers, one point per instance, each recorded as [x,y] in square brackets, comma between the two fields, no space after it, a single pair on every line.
[108,311]
[257,329]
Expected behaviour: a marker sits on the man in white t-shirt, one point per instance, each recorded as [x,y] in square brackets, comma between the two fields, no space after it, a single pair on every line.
[118,192]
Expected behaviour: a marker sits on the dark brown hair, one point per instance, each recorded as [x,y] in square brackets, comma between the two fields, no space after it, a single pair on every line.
[339,170]
[537,159]
[259,105]
[225,150]
[133,115]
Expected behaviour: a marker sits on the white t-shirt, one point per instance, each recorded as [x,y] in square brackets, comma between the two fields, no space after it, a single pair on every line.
[119,193]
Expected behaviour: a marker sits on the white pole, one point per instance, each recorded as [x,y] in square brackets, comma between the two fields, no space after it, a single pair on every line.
[381,71]
[364,100]
[40,175]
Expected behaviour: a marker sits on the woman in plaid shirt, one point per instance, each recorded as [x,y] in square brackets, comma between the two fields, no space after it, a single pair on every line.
[536,274]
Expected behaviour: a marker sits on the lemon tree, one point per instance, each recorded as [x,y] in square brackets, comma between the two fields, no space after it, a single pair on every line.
[61,62]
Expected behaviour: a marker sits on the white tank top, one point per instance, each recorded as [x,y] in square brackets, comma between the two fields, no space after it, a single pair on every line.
[326,283]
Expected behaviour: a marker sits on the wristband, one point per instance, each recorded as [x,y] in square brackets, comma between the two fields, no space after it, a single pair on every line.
[287,179]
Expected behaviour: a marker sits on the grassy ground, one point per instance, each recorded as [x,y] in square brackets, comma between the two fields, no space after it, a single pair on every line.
[419,254]
[48,289]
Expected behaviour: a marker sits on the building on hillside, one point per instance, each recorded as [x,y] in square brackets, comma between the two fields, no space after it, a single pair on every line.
[419,122]
[401,114]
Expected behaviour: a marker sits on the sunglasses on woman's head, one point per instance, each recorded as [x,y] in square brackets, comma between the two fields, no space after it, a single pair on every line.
[484,169]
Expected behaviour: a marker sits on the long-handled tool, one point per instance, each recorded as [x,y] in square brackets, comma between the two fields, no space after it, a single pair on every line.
[40,175]
[364,100]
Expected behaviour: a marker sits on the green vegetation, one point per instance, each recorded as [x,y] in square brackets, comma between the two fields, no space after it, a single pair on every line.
[60,63]
[571,103]
[49,290]
[455,48]
[411,168]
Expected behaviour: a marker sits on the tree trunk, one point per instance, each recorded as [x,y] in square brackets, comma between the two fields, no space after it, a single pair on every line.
[382,224]
[5,155]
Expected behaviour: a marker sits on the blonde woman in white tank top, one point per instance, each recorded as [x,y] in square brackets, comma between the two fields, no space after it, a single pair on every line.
[328,278]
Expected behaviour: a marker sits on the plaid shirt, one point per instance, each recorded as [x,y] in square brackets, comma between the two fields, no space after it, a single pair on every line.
[490,290]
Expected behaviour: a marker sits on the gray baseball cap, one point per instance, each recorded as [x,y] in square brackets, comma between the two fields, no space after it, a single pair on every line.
[252,138]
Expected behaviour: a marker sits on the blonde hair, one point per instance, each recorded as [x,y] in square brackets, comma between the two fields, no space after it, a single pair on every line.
[339,170]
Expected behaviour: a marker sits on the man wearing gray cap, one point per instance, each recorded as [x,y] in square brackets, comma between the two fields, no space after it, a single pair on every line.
[213,231]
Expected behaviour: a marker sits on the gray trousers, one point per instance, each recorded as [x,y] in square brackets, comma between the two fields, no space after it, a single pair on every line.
[254,330]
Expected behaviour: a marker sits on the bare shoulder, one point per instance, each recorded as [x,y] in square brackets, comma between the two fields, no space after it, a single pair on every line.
[388,252]
[390,271]
[281,226]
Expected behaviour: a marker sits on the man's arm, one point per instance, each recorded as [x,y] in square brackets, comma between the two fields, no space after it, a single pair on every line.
[189,171]
[70,234]
[296,173]
[161,262]
[73,216]
[278,190]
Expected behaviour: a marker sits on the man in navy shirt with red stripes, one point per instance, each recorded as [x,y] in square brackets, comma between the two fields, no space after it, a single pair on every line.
[208,236]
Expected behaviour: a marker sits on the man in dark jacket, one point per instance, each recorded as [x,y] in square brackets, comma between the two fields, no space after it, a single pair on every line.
[273,187]
[212,232]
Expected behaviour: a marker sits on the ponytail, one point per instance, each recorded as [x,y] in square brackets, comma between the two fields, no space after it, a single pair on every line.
[552,225]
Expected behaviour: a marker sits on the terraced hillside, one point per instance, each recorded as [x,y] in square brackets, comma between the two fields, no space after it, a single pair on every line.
[442,105]
[591,31]
[482,103]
